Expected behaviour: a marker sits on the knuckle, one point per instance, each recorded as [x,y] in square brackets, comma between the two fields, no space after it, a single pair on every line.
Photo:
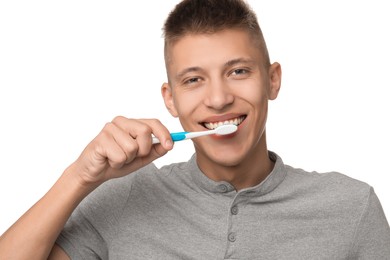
[131,151]
[155,121]
[118,119]
[131,147]
[108,127]
[122,157]
[117,161]
[151,121]
[144,129]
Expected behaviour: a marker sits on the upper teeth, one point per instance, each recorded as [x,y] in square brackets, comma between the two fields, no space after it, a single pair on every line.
[234,121]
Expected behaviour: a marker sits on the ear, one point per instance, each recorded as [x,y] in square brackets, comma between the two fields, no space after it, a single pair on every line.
[275,79]
[167,94]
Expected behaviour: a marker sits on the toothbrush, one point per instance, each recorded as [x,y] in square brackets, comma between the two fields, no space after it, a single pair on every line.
[220,130]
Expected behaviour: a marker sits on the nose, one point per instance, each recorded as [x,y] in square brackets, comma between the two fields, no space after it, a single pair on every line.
[218,95]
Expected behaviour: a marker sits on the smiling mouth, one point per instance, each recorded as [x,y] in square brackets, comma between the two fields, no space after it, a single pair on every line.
[234,121]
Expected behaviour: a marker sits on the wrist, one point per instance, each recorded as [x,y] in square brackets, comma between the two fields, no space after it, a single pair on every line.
[78,182]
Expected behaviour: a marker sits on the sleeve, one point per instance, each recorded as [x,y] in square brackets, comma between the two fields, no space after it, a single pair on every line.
[93,223]
[372,236]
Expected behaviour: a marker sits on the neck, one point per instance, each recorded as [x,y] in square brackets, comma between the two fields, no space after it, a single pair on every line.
[244,174]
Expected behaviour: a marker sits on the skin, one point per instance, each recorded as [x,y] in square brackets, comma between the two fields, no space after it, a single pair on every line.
[235,82]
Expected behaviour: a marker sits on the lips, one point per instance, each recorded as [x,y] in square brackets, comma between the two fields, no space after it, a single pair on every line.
[213,123]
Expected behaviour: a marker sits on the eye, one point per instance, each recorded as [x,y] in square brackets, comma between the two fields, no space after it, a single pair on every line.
[239,71]
[192,80]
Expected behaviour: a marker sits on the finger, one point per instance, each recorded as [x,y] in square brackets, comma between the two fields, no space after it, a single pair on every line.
[142,129]
[137,131]
[119,147]
[130,146]
[156,152]
[161,132]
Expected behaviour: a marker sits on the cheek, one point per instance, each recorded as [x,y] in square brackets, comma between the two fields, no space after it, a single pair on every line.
[186,102]
[254,95]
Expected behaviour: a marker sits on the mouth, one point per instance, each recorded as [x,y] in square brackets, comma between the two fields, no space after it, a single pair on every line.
[233,121]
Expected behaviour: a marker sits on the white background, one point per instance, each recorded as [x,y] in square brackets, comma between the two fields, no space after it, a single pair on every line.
[68,67]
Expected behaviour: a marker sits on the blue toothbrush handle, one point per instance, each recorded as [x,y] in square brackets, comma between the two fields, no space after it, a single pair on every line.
[178,136]
[175,137]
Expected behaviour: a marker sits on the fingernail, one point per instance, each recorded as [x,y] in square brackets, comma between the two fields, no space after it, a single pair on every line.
[168,144]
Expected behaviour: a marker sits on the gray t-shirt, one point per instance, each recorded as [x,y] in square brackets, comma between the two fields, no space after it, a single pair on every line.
[176,212]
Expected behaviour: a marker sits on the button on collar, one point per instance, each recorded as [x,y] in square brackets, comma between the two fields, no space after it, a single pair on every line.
[234,210]
[222,188]
[232,237]
[203,181]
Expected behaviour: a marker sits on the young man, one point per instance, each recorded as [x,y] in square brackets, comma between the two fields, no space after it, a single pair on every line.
[233,200]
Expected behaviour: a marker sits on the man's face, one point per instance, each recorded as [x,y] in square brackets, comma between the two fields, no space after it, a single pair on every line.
[217,79]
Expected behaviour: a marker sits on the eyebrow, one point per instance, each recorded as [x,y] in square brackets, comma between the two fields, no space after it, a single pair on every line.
[187,70]
[237,61]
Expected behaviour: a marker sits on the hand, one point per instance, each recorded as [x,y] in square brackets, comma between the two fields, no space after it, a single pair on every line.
[123,146]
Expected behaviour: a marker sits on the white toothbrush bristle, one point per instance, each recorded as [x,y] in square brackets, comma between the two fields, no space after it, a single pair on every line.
[225,129]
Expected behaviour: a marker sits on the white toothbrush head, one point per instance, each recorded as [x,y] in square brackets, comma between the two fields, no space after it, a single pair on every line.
[225,129]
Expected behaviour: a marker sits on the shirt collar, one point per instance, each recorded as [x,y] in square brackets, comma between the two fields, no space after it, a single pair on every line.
[273,179]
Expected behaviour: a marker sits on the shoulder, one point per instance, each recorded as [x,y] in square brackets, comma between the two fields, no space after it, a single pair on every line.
[329,189]
[332,181]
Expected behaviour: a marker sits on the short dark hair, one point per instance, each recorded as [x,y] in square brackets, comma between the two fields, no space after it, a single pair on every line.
[211,16]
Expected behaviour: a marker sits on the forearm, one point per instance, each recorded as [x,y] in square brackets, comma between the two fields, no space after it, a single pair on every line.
[34,234]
